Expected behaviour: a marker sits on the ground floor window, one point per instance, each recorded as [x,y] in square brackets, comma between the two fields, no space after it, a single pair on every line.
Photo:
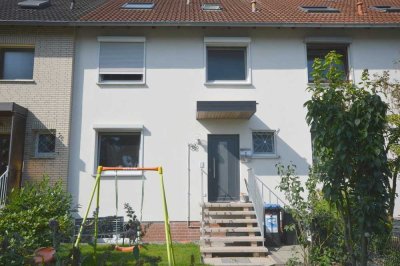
[119,149]
[263,142]
[45,143]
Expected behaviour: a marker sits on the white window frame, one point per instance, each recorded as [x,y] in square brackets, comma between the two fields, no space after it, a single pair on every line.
[228,42]
[100,128]
[125,39]
[331,41]
[273,154]
[38,154]
[19,46]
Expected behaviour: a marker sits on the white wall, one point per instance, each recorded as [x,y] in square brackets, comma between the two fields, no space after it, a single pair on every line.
[166,106]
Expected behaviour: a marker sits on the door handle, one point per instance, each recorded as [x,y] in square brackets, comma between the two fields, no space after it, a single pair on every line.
[214,166]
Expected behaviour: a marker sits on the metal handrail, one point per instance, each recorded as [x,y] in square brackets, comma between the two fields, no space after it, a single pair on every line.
[256,198]
[278,200]
[3,187]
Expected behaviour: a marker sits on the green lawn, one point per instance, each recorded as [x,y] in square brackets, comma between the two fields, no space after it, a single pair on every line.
[150,254]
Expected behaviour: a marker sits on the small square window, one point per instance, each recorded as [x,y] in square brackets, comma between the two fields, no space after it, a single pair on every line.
[320,51]
[45,143]
[16,63]
[226,63]
[264,142]
[119,149]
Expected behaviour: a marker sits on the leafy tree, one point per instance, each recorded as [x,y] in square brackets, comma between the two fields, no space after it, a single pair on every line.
[391,88]
[348,124]
[317,225]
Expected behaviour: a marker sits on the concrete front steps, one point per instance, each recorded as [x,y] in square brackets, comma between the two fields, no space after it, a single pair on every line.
[230,235]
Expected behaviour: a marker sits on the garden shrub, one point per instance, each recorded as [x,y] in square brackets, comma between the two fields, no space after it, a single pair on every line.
[24,221]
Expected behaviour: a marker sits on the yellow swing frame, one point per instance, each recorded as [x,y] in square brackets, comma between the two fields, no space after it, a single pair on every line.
[96,190]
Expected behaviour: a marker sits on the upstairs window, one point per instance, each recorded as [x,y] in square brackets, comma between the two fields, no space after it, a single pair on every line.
[226,63]
[121,60]
[320,51]
[16,63]
[227,60]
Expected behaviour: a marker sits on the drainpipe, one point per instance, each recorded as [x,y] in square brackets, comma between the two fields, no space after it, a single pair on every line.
[191,147]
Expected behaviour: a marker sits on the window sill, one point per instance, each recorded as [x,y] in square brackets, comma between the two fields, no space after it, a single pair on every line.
[216,83]
[265,156]
[28,81]
[120,83]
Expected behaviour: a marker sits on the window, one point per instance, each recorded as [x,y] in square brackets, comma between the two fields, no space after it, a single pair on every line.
[390,9]
[211,7]
[319,9]
[119,149]
[227,60]
[138,6]
[16,63]
[226,63]
[121,60]
[320,51]
[45,143]
[264,142]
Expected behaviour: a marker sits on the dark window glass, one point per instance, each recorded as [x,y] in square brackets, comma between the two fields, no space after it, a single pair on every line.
[121,77]
[119,149]
[46,143]
[17,63]
[320,51]
[263,142]
[226,63]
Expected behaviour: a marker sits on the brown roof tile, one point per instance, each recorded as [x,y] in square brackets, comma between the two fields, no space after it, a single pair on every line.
[239,11]
[178,12]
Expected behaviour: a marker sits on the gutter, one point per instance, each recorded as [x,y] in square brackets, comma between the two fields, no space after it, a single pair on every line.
[198,24]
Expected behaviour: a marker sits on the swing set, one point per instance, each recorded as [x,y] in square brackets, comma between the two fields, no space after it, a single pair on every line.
[96,191]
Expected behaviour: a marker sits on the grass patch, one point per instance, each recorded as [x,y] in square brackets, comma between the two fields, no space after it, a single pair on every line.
[150,254]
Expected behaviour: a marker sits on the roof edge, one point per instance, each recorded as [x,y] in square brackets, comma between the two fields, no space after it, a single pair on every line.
[196,24]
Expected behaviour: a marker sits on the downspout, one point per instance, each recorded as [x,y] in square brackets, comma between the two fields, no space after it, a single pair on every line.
[191,147]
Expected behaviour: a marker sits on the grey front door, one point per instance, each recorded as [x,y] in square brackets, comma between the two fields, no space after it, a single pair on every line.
[223,168]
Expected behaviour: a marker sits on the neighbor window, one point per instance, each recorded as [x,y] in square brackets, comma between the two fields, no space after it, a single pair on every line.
[121,60]
[320,51]
[16,63]
[119,149]
[45,143]
[263,142]
[226,63]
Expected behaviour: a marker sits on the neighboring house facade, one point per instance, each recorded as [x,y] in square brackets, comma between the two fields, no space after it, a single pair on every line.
[213,93]
[35,98]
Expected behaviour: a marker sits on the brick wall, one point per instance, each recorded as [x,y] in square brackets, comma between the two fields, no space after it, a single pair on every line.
[47,97]
[179,230]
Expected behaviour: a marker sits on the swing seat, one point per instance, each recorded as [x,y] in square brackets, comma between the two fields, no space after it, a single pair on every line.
[125,249]
[44,255]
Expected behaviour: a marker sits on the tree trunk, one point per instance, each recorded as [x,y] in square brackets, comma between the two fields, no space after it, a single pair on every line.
[364,248]
[392,195]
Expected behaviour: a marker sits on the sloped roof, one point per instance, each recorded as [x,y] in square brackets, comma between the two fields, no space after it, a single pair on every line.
[234,12]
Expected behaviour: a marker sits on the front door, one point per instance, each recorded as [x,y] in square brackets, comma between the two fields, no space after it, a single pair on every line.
[223,168]
[4,152]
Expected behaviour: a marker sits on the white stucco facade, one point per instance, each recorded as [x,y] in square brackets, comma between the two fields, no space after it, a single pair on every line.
[165,108]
